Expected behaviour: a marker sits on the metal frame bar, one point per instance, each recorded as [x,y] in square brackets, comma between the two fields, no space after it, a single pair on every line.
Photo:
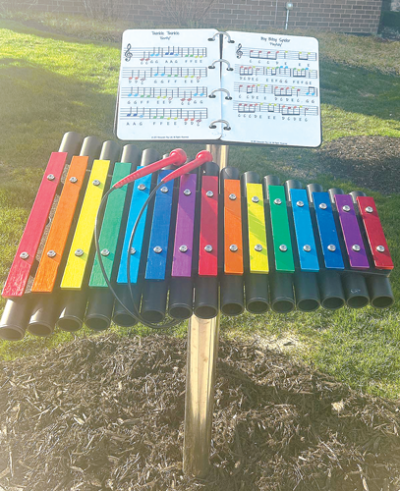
[203,340]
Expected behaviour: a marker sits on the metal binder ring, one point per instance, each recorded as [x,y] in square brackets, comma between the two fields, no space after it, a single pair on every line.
[228,97]
[221,60]
[224,34]
[227,127]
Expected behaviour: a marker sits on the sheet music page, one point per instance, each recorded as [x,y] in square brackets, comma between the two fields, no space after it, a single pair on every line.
[165,83]
[275,89]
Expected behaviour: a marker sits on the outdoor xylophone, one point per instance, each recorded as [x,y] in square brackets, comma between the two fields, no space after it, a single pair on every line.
[211,240]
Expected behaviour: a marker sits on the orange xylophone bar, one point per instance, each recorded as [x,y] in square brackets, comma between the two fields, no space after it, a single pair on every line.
[357,288]
[18,310]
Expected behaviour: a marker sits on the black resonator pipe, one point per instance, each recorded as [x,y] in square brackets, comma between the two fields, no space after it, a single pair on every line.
[256,285]
[231,285]
[73,305]
[120,316]
[281,285]
[379,288]
[305,283]
[101,300]
[330,283]
[18,311]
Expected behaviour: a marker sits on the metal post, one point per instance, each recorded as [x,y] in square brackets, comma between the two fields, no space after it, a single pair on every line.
[203,337]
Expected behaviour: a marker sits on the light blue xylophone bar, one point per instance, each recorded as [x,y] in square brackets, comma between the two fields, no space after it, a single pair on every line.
[140,194]
[304,231]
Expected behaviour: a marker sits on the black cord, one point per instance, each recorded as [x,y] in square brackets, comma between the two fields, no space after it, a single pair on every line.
[135,313]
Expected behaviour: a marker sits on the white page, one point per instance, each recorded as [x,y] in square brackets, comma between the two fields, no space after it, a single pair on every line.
[274,88]
[165,83]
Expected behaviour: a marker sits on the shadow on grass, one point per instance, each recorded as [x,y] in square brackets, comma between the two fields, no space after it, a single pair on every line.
[360,91]
[40,106]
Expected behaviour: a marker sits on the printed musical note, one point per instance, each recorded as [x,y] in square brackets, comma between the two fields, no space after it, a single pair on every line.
[239,52]
[277,90]
[157,113]
[144,54]
[128,53]
[176,72]
[283,109]
[246,70]
[264,54]
[163,93]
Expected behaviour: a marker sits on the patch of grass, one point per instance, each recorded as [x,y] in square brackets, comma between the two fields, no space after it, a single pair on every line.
[55,84]
[370,52]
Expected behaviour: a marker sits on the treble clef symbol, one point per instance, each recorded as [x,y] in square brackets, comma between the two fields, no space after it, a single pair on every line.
[128,54]
[239,52]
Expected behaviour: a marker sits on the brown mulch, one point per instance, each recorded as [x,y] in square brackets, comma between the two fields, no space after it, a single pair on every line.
[367,161]
[107,413]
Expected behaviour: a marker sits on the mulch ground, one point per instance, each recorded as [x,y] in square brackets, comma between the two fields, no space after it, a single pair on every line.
[107,414]
[368,161]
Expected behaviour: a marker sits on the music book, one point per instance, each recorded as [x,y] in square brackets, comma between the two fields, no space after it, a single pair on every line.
[206,85]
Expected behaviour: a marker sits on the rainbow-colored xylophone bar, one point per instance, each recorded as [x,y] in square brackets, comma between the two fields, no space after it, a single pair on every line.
[208,241]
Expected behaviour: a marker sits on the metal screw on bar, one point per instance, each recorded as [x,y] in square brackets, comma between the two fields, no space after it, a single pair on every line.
[96,182]
[283,248]
[323,206]
[369,209]
[73,180]
[300,203]
[157,249]
[24,255]
[141,187]
[52,253]
[105,252]
[209,194]
[133,250]
[164,189]
[233,248]
[187,192]
[332,247]
[232,197]
[255,199]
[346,208]
[278,201]
[307,248]
[380,248]
[50,177]
[208,248]
[356,248]
[79,252]
[258,247]
[183,248]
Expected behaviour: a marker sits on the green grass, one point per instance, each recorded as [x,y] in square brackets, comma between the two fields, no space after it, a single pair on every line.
[52,83]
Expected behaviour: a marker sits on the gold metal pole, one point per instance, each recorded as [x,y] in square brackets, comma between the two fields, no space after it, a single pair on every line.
[203,337]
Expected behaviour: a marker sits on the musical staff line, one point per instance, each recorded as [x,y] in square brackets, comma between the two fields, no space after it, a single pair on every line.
[277,90]
[266,54]
[196,115]
[163,73]
[275,71]
[284,109]
[182,93]
[146,54]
